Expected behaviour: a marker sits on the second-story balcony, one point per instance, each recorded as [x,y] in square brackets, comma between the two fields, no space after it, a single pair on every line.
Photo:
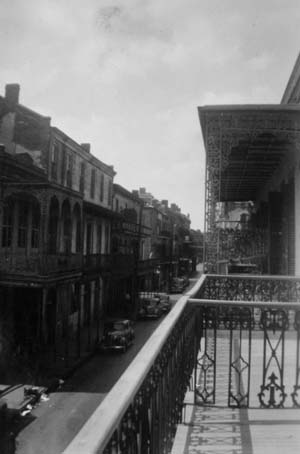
[221,373]
[134,229]
[36,265]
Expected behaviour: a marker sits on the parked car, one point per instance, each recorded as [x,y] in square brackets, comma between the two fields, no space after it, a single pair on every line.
[177,285]
[164,302]
[185,280]
[150,308]
[118,335]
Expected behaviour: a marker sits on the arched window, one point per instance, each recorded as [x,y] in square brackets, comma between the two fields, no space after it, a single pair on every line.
[76,229]
[53,226]
[66,227]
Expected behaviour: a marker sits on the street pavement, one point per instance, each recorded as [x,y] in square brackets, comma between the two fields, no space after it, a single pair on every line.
[51,426]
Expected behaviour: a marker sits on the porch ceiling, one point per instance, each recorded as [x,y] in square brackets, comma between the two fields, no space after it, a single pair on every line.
[245,145]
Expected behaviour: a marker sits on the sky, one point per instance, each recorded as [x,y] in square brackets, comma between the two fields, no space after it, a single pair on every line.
[127,77]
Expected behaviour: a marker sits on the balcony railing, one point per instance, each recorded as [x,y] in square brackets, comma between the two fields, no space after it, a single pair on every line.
[39,265]
[141,412]
[97,262]
[131,228]
[55,263]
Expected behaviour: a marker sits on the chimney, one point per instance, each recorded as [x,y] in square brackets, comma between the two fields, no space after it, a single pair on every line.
[165,203]
[142,190]
[86,147]
[12,94]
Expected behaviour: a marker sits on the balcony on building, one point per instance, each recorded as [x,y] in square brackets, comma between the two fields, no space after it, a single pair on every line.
[30,245]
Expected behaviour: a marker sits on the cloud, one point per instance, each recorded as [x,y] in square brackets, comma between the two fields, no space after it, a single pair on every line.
[128,76]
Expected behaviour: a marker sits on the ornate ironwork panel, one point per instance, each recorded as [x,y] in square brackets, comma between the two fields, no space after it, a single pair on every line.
[239,322]
[205,367]
[250,289]
[240,361]
[295,394]
[274,323]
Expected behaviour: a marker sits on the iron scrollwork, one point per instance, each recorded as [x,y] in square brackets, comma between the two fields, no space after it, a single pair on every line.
[295,396]
[272,394]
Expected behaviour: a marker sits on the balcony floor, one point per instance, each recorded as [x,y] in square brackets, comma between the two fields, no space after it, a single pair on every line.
[222,430]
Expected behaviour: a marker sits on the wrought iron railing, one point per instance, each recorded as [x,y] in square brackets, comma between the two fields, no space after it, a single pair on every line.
[39,264]
[99,262]
[252,329]
[55,263]
[141,412]
[250,288]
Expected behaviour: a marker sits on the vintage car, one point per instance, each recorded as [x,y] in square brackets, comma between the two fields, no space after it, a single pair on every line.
[150,308]
[118,335]
[177,285]
[164,302]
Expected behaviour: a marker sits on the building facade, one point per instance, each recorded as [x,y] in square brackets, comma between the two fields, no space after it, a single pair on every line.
[55,227]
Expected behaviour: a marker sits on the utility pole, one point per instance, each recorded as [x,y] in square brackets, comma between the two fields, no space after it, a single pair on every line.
[135,281]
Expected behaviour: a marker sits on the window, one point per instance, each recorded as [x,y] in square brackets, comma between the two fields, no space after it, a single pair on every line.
[7,224]
[67,240]
[102,187]
[69,168]
[23,223]
[93,178]
[82,177]
[109,192]
[117,205]
[89,238]
[78,236]
[35,227]
[107,239]
[99,239]
[63,165]
[54,161]
[53,226]
[75,297]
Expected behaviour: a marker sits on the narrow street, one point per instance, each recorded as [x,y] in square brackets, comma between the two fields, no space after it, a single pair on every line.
[52,424]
